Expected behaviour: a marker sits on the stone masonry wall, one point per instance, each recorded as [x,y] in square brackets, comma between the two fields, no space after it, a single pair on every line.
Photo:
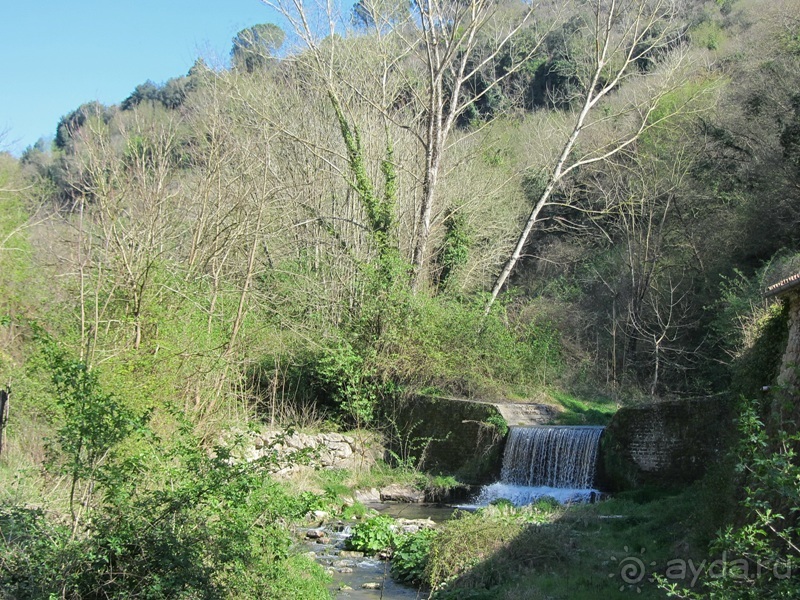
[668,444]
[791,359]
[449,436]
[321,450]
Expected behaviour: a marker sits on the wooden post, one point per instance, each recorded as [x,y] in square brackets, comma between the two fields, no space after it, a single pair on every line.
[4,396]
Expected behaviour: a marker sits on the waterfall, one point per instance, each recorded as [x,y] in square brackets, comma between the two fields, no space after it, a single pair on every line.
[547,461]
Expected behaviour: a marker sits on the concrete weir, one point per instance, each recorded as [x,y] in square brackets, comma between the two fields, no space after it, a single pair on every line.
[667,444]
[559,462]
[457,436]
[527,415]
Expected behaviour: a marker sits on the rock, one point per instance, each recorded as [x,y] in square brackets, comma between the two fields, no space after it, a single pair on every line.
[345,588]
[331,450]
[401,493]
[367,496]
[299,441]
[324,540]
[345,570]
[414,525]
[320,515]
[338,527]
[351,554]
[315,533]
[338,564]
[371,586]
[340,449]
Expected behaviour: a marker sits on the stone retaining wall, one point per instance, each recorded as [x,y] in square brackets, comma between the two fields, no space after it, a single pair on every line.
[449,436]
[325,450]
[790,365]
[668,444]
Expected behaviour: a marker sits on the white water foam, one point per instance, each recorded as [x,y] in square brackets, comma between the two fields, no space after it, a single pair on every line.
[546,461]
[521,495]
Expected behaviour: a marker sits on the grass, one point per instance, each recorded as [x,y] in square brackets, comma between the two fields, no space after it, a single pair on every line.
[580,411]
[481,550]
[579,552]
[342,483]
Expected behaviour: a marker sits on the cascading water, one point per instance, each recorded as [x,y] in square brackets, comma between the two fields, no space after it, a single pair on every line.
[546,461]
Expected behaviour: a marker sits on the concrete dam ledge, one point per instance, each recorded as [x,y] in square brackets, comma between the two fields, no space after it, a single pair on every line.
[527,415]
[516,414]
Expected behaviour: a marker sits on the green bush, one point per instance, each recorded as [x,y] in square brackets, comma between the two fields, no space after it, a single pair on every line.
[499,423]
[451,345]
[373,535]
[759,555]
[150,518]
[410,557]
[354,511]
[750,331]
[211,530]
[342,374]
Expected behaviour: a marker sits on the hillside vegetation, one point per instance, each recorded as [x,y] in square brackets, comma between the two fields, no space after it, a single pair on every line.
[579,200]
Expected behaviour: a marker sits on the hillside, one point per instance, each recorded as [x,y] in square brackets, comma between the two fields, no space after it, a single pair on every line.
[575,203]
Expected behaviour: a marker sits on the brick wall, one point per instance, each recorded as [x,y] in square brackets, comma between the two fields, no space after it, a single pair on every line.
[667,444]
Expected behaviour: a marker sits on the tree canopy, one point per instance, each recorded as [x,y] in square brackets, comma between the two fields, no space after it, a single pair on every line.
[255,45]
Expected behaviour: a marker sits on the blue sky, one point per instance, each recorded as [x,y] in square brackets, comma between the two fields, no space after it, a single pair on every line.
[56,55]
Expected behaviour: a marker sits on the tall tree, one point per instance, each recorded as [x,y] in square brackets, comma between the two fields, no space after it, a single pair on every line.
[254,46]
[456,41]
[628,38]
[452,40]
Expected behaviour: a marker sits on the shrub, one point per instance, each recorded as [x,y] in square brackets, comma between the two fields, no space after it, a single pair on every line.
[410,558]
[354,511]
[373,535]
[211,530]
[159,520]
[759,554]
[342,374]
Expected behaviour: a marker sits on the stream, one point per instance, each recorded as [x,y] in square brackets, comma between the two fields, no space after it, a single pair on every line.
[555,461]
[351,571]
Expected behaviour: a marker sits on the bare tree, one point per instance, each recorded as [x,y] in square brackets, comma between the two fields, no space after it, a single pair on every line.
[458,40]
[626,35]
[131,201]
[451,41]
[647,286]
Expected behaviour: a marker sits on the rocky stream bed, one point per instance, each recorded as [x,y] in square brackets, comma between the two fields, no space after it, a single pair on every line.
[356,575]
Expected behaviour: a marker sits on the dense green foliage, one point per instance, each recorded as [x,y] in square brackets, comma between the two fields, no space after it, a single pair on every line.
[759,556]
[410,557]
[373,535]
[150,518]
